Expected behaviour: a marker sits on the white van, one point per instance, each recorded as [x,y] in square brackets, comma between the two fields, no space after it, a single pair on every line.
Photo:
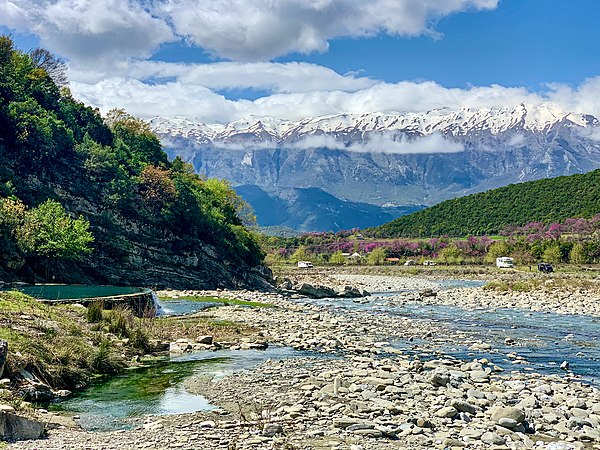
[304,264]
[504,262]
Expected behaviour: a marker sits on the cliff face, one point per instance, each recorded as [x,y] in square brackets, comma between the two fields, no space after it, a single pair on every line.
[136,253]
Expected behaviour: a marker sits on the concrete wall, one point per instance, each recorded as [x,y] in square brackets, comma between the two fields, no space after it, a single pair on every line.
[141,303]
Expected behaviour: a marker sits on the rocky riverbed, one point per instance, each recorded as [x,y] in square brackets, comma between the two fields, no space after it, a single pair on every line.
[359,391]
[551,295]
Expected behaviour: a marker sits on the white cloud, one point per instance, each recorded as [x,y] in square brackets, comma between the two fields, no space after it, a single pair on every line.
[169,99]
[388,143]
[384,143]
[252,30]
[274,77]
[199,103]
[516,140]
[91,31]
[592,133]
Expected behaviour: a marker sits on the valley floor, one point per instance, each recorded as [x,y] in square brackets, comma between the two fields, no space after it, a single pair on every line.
[368,379]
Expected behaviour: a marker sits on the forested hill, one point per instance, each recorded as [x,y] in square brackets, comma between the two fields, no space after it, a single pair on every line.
[547,200]
[119,211]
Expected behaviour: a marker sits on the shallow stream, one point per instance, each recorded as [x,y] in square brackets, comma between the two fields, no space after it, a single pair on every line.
[543,340]
[120,402]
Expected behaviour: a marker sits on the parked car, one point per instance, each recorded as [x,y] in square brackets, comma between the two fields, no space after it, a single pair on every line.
[410,262]
[545,267]
[429,263]
[504,262]
[304,264]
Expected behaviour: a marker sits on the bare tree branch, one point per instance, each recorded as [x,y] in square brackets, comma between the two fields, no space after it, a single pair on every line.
[54,66]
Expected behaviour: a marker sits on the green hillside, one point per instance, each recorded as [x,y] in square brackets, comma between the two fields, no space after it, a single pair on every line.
[547,200]
[119,212]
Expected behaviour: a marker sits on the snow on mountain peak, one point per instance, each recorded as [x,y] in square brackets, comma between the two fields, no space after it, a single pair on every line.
[465,121]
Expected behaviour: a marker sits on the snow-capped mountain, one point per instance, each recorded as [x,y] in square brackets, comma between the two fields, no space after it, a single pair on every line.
[452,123]
[390,159]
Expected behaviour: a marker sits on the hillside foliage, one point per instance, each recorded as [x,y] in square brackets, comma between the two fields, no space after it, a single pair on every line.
[487,213]
[60,159]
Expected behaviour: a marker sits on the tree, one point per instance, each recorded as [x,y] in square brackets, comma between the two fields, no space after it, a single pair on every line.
[451,255]
[48,231]
[552,254]
[156,187]
[300,254]
[497,250]
[523,257]
[337,258]
[377,256]
[578,255]
[12,215]
[55,67]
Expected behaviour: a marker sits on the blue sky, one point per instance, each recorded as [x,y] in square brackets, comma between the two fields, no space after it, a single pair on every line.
[206,62]
[521,43]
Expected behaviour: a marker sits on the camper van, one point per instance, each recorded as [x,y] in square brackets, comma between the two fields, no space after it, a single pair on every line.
[304,264]
[504,262]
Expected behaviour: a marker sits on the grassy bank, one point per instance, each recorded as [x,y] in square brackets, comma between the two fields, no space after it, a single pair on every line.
[67,346]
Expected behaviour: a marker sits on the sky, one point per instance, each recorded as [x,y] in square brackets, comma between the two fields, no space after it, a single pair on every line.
[216,61]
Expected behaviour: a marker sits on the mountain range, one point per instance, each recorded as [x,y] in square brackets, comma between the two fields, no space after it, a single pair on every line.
[374,167]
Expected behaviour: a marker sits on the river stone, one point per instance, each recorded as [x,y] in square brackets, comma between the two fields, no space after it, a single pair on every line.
[450,442]
[369,432]
[508,413]
[446,411]
[576,403]
[204,340]
[345,422]
[361,426]
[463,406]
[63,393]
[316,291]
[528,402]
[17,428]
[479,376]
[38,393]
[507,422]
[578,412]
[480,346]
[492,438]
[272,429]
[439,378]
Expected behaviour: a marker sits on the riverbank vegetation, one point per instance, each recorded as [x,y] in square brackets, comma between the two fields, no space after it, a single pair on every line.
[573,241]
[67,346]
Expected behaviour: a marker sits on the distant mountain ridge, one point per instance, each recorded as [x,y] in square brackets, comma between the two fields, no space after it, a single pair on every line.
[314,209]
[257,129]
[548,200]
[402,160]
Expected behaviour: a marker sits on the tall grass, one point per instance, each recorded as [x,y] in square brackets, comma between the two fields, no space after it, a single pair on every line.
[120,321]
[104,361]
[94,311]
